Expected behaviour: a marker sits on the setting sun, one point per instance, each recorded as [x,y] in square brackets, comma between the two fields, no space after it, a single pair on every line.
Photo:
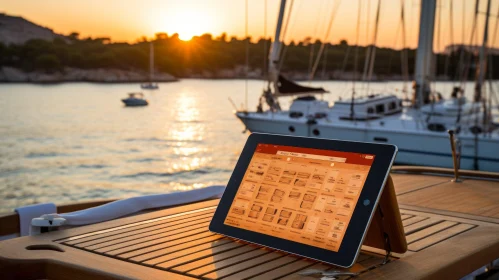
[187,23]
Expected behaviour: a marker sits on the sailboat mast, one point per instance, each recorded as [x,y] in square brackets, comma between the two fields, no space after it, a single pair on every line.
[482,59]
[275,49]
[424,54]
[151,62]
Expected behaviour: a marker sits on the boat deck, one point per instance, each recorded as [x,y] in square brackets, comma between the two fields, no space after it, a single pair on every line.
[451,229]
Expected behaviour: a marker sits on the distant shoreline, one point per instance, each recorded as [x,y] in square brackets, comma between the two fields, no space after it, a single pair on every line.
[194,78]
[83,82]
[9,75]
[74,75]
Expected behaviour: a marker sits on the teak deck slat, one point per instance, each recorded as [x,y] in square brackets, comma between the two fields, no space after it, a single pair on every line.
[262,268]
[229,270]
[451,259]
[249,251]
[185,256]
[413,220]
[405,216]
[144,238]
[470,197]
[421,225]
[132,225]
[297,276]
[405,184]
[364,261]
[136,228]
[284,270]
[439,236]
[163,228]
[428,231]
[172,247]
[227,262]
[159,255]
[175,238]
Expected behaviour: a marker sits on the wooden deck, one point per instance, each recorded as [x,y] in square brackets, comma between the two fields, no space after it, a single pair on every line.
[451,229]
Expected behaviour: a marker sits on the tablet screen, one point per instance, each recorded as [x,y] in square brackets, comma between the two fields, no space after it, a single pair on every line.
[300,194]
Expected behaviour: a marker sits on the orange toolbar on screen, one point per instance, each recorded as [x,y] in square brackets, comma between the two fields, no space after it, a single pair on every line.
[300,194]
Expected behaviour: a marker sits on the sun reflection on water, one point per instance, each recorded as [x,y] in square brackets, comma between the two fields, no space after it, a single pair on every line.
[187,108]
[188,126]
[188,131]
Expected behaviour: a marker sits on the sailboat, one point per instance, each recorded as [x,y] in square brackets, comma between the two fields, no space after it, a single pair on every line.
[150,84]
[419,131]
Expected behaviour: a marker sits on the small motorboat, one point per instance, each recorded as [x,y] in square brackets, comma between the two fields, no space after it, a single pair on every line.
[135,99]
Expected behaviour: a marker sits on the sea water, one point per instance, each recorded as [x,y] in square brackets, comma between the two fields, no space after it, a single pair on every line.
[77,142]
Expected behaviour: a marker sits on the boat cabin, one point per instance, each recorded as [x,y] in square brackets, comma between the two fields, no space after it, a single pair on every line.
[136,95]
[308,106]
[455,112]
[367,107]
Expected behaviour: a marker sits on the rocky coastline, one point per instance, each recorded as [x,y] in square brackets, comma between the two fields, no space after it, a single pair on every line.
[13,75]
[101,75]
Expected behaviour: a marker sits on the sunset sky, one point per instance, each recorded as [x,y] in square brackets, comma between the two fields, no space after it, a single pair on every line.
[127,20]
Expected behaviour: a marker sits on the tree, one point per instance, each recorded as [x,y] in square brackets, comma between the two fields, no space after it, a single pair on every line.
[48,62]
[222,37]
[161,36]
[74,36]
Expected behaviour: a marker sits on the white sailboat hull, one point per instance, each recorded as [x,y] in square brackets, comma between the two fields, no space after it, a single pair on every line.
[417,146]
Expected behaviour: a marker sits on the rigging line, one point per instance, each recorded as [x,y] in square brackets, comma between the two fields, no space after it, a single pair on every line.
[247,55]
[312,44]
[265,47]
[494,36]
[463,39]
[326,37]
[290,13]
[451,38]
[345,61]
[492,93]
[473,40]
[283,36]
[411,16]
[483,68]
[481,73]
[347,54]
[395,41]
[373,54]
[470,53]
[324,62]
[310,61]
[368,48]
[355,59]
[403,55]
[435,60]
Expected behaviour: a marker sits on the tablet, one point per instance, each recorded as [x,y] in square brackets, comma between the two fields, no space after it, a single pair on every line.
[307,196]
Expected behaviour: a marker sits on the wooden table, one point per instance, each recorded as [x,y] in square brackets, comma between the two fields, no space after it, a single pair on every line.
[451,228]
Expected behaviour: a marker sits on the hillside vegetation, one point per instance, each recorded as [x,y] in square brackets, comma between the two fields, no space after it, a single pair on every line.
[208,57]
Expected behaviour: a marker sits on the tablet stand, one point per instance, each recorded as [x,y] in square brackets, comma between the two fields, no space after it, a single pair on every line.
[386,231]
